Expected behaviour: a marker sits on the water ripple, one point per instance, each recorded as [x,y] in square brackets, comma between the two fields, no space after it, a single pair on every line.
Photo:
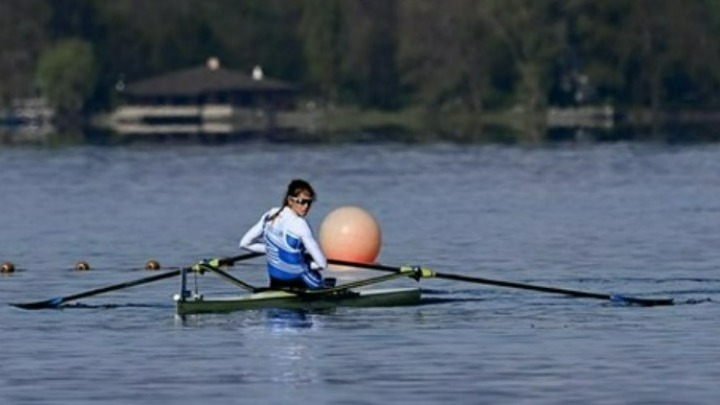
[641,219]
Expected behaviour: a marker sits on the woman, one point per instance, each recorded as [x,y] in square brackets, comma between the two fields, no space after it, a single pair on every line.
[285,237]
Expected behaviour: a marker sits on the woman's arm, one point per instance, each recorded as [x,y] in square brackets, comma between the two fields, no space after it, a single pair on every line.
[252,240]
[319,261]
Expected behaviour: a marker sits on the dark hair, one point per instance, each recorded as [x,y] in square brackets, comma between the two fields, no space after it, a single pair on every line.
[296,187]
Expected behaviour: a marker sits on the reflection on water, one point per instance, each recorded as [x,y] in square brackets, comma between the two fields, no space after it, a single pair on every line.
[291,360]
[282,320]
[279,343]
[24,136]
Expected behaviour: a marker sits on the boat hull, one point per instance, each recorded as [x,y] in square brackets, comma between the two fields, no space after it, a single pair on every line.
[283,299]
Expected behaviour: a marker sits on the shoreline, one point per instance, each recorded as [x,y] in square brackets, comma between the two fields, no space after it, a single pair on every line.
[340,124]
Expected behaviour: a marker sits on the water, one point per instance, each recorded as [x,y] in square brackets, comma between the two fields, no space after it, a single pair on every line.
[640,219]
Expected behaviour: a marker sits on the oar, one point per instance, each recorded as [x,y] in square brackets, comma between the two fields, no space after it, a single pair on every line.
[57,301]
[232,279]
[478,280]
[352,284]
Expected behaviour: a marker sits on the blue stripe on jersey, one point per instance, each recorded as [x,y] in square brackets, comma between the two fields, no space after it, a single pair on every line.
[291,257]
[282,275]
[313,279]
[293,242]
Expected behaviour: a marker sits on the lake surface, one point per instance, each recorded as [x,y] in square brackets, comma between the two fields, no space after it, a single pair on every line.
[641,219]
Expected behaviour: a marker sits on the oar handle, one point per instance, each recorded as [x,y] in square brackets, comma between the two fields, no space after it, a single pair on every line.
[229,261]
[372,266]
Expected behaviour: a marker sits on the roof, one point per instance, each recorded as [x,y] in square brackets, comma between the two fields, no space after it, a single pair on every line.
[203,80]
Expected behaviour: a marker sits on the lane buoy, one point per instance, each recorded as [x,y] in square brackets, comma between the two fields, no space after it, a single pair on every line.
[152,265]
[82,266]
[7,267]
[350,233]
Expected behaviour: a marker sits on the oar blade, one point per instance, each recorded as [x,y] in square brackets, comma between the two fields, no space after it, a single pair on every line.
[643,302]
[46,304]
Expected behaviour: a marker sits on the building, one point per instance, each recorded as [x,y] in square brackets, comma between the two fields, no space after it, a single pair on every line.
[203,100]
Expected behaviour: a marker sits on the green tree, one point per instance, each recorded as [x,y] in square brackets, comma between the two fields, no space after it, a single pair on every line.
[657,54]
[259,32]
[369,62]
[533,33]
[67,74]
[321,29]
[23,34]
[450,57]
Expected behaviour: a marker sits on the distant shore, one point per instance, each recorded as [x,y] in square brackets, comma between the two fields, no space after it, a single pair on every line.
[339,124]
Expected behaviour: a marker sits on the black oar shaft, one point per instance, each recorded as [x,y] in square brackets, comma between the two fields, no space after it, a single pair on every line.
[57,301]
[510,284]
[120,286]
[352,284]
[234,280]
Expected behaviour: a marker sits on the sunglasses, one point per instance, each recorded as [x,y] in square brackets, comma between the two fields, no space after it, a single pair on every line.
[303,201]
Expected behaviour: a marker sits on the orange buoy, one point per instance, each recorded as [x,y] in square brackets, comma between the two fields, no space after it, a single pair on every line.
[7,267]
[152,265]
[350,233]
[82,266]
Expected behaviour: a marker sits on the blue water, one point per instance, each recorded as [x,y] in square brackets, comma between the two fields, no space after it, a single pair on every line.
[638,219]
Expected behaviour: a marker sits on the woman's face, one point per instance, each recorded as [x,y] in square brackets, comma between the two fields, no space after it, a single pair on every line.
[301,203]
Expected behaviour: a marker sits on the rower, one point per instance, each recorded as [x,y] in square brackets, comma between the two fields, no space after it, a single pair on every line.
[285,237]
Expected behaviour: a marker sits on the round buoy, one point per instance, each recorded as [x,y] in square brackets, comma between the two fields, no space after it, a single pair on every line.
[7,267]
[152,265]
[350,233]
[82,266]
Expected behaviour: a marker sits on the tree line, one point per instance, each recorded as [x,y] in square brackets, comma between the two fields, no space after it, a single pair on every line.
[451,55]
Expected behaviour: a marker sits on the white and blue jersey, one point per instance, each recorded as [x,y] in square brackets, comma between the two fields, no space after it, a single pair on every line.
[285,240]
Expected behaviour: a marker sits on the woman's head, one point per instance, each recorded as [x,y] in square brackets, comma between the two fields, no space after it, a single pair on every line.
[299,196]
[298,186]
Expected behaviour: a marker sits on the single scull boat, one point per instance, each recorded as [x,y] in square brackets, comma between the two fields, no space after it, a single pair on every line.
[346,295]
